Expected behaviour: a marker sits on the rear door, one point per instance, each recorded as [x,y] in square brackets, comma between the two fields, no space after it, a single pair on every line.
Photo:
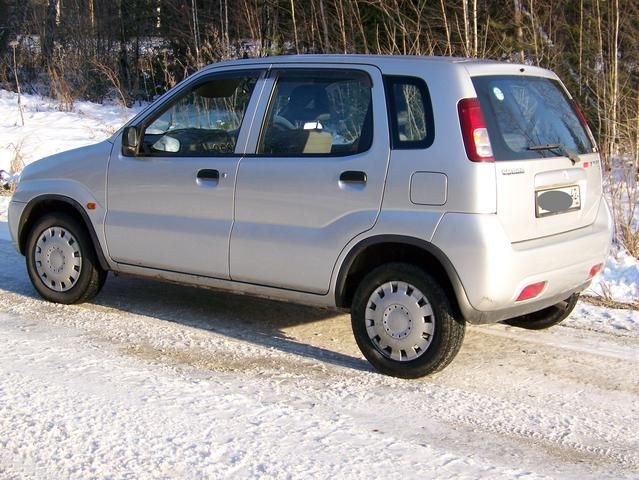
[534,127]
[316,178]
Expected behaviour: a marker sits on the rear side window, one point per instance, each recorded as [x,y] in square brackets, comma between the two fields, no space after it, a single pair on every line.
[321,112]
[410,112]
[523,112]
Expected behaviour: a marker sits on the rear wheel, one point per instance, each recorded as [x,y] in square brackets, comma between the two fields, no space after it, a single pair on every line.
[61,262]
[547,317]
[403,322]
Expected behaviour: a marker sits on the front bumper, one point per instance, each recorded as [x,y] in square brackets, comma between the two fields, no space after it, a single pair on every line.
[14,215]
[492,271]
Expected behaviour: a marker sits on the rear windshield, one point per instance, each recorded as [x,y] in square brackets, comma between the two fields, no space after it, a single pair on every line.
[523,112]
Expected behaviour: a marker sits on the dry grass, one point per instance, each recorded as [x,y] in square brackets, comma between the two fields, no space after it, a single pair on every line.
[624,195]
[609,302]
[114,79]
[16,166]
[61,90]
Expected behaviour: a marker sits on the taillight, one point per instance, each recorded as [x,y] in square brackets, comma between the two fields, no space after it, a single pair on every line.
[595,270]
[580,114]
[584,124]
[531,291]
[474,131]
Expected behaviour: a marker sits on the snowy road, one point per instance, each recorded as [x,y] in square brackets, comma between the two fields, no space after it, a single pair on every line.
[163,381]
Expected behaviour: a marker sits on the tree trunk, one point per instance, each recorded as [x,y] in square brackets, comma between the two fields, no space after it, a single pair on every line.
[50,31]
[449,46]
[327,43]
[519,31]
[125,77]
[297,47]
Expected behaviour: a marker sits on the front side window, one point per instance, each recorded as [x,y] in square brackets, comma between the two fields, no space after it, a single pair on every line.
[205,121]
[525,112]
[319,113]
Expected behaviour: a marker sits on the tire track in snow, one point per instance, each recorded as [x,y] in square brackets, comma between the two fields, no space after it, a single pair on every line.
[554,401]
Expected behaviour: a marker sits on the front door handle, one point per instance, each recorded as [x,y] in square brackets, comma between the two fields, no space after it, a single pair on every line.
[353,176]
[208,174]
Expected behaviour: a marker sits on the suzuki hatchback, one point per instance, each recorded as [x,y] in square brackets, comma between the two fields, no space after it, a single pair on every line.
[419,193]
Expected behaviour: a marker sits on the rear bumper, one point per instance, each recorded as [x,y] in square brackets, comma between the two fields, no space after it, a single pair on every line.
[492,271]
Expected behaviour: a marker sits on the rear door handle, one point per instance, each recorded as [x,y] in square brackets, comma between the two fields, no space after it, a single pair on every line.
[353,176]
[208,174]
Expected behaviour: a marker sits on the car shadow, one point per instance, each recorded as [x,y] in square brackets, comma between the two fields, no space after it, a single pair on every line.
[258,321]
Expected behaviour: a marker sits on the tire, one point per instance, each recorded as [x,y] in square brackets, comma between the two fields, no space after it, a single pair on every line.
[61,260]
[414,319]
[546,318]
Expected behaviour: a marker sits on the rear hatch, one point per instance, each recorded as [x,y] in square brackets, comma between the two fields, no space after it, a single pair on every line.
[548,171]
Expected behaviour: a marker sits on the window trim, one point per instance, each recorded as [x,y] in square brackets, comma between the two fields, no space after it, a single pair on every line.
[307,72]
[259,74]
[391,81]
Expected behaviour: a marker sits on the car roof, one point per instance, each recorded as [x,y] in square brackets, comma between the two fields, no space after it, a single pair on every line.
[472,66]
[355,58]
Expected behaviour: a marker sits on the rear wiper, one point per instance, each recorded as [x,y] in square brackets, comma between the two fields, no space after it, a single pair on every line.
[574,158]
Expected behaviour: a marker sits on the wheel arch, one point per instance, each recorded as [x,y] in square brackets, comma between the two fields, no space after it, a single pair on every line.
[374,251]
[43,204]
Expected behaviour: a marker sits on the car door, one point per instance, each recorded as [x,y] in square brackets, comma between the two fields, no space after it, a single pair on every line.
[316,177]
[170,205]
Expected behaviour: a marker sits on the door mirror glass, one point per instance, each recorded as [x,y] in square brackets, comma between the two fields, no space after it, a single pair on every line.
[130,141]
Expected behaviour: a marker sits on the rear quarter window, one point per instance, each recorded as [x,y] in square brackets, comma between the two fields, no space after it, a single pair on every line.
[410,112]
[525,111]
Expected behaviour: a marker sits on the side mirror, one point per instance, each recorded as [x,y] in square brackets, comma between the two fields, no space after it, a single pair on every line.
[130,141]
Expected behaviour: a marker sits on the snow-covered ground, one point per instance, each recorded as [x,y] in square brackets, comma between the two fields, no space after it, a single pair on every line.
[162,381]
[47,130]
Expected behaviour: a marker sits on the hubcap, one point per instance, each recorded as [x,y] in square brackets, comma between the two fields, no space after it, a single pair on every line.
[58,259]
[399,321]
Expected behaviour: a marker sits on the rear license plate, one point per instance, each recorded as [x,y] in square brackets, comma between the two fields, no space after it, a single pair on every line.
[553,201]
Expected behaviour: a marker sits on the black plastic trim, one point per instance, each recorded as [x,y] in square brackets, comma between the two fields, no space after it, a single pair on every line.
[416,242]
[26,213]
[353,176]
[208,174]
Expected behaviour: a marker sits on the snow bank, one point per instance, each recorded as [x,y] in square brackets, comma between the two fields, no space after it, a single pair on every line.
[619,279]
[47,130]
[4,205]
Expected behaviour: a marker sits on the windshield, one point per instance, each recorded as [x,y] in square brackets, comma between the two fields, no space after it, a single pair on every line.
[523,112]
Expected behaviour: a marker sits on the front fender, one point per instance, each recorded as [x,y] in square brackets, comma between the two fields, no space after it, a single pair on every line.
[92,218]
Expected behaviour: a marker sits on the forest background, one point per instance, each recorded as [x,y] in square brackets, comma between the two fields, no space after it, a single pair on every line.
[134,50]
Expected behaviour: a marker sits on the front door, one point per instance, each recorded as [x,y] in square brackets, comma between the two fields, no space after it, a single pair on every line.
[316,177]
[170,206]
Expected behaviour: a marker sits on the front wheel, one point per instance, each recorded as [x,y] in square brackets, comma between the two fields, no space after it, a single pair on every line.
[403,322]
[61,262]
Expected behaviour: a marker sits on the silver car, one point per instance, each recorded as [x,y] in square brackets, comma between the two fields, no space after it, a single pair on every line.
[419,193]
